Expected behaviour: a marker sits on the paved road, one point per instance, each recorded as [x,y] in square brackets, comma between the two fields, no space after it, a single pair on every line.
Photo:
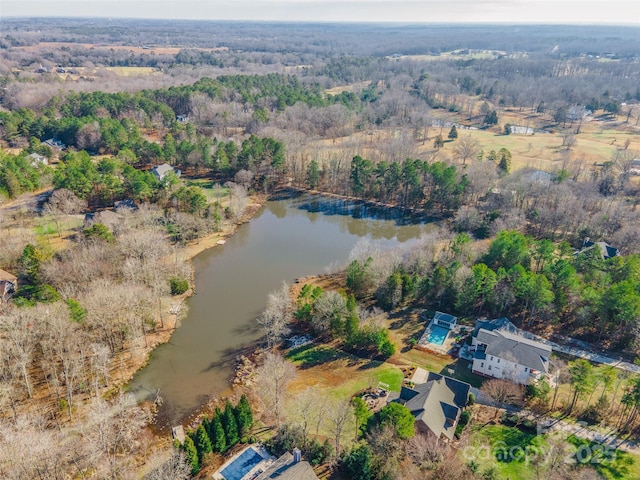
[592,356]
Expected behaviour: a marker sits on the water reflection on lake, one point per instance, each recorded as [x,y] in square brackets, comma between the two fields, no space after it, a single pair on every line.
[291,237]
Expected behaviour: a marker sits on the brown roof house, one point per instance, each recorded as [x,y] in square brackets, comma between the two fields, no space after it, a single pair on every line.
[436,404]
[8,285]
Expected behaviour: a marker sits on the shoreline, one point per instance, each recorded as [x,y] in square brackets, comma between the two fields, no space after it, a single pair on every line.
[137,356]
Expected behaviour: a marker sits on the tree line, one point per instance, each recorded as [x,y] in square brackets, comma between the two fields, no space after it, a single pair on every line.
[218,433]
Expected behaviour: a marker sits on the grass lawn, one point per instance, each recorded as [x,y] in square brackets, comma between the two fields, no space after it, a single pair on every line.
[444,364]
[611,464]
[502,448]
[47,229]
[213,194]
[339,375]
[514,453]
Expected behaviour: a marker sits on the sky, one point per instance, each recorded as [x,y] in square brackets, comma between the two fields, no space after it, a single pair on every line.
[597,12]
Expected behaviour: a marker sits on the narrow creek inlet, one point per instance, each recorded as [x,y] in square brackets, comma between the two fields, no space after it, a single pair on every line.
[290,237]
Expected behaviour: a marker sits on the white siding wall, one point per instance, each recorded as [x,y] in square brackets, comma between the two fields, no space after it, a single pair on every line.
[500,368]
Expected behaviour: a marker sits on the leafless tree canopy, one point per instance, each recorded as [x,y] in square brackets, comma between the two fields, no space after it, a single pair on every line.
[272,378]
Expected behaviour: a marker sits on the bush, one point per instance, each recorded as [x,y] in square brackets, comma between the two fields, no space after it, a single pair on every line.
[99,231]
[472,399]
[317,452]
[179,285]
[286,439]
[465,416]
[76,312]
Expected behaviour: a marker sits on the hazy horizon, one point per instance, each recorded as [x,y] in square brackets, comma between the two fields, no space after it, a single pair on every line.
[525,12]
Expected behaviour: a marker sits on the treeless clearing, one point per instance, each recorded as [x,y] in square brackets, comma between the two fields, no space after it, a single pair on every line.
[131,71]
[129,48]
[346,88]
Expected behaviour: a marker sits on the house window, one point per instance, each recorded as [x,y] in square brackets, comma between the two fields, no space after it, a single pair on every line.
[492,358]
[482,365]
[489,367]
[526,369]
[498,360]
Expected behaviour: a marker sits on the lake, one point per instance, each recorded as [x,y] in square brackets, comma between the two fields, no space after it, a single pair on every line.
[290,237]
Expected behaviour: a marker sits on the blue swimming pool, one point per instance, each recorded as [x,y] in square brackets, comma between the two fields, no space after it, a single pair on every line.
[242,465]
[438,334]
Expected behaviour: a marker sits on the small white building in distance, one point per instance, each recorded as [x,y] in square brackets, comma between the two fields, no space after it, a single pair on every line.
[36,160]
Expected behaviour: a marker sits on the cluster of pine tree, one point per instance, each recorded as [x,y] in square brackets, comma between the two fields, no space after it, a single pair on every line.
[219,433]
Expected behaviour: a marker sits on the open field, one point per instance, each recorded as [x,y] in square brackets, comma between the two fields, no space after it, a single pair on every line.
[157,50]
[131,71]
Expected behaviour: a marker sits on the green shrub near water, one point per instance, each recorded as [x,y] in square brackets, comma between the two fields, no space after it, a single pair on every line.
[178,285]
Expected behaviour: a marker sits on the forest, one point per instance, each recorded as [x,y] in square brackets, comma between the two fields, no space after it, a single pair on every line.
[522,143]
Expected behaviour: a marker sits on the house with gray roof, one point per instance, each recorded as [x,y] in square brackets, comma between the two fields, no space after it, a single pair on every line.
[160,171]
[108,218]
[606,251]
[289,467]
[501,350]
[435,404]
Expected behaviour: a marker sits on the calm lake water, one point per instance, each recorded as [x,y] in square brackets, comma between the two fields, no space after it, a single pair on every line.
[292,237]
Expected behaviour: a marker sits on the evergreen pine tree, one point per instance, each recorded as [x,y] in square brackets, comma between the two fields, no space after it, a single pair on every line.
[230,425]
[218,439]
[203,444]
[244,416]
[191,454]
[453,133]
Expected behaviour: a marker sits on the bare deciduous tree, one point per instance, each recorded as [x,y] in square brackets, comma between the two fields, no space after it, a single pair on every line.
[174,468]
[425,451]
[331,306]
[112,434]
[238,201]
[277,314]
[272,378]
[501,392]
[466,148]
[339,419]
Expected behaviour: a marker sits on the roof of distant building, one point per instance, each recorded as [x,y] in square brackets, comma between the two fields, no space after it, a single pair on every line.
[606,250]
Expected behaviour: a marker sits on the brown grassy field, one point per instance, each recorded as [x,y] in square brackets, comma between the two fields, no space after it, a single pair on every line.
[129,48]
[597,142]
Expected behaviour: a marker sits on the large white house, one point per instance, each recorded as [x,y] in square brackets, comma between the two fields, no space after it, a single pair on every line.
[501,350]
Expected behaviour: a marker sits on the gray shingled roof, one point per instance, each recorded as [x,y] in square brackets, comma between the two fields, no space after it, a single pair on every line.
[507,345]
[436,403]
[284,469]
[161,170]
[498,324]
